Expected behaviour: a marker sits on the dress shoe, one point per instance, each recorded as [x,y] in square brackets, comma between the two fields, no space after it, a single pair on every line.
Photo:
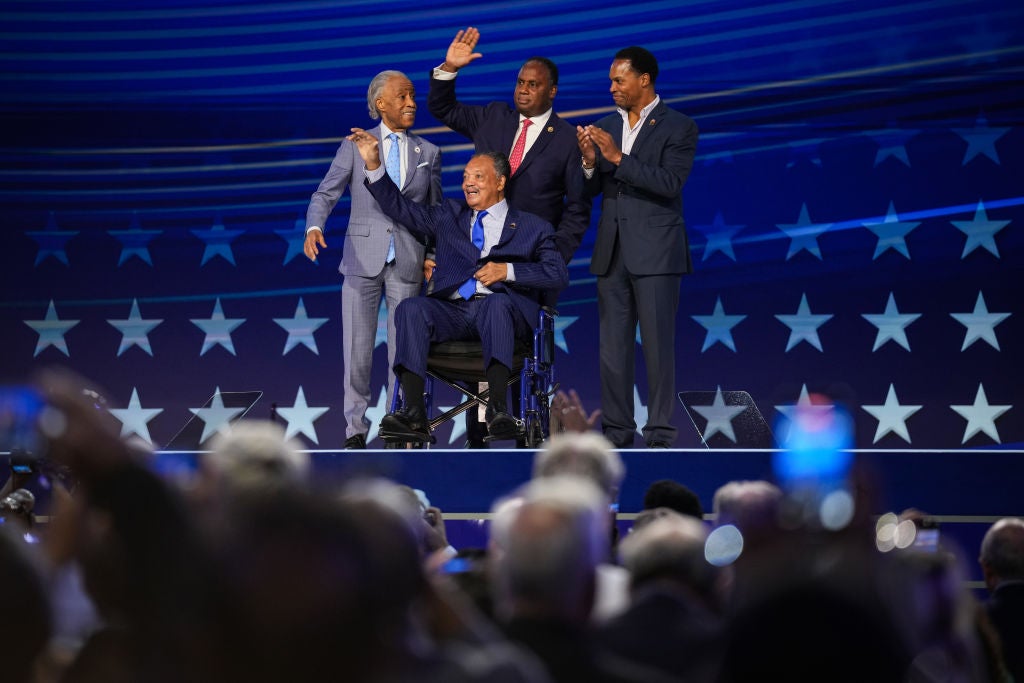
[501,426]
[659,444]
[406,424]
[356,442]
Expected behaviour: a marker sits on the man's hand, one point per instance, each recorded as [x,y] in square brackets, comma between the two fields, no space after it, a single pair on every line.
[428,268]
[460,52]
[603,140]
[314,242]
[491,273]
[586,145]
[368,147]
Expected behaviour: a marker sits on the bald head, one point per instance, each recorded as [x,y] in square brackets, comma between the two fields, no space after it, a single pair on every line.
[1002,552]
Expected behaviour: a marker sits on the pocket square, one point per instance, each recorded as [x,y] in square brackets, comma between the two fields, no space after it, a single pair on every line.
[423,164]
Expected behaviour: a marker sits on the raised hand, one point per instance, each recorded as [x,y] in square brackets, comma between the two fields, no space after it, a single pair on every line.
[368,147]
[586,145]
[603,140]
[460,52]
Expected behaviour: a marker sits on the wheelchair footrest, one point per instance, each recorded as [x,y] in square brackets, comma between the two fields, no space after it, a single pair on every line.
[406,437]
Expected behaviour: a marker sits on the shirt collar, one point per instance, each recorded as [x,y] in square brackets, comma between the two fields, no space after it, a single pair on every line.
[540,120]
[385,132]
[643,112]
[497,211]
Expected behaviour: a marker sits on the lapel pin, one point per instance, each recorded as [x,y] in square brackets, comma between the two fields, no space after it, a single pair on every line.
[416,149]
[551,129]
[652,122]
[511,226]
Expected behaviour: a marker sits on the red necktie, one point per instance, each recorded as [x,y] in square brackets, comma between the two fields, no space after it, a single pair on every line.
[517,151]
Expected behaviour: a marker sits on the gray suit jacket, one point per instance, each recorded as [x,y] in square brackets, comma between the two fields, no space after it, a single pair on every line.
[369,229]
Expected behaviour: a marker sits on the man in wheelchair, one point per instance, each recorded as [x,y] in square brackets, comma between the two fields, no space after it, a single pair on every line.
[494,265]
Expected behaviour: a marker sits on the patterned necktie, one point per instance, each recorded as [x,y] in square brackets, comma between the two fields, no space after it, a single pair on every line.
[468,287]
[517,152]
[394,168]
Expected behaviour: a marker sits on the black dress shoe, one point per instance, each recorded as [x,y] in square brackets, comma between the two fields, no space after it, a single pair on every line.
[406,424]
[356,442]
[659,444]
[501,426]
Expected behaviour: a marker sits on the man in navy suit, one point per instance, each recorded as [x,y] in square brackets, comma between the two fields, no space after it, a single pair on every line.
[546,177]
[494,266]
[1002,563]
[638,159]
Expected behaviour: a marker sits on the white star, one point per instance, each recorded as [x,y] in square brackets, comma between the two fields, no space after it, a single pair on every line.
[719,237]
[805,403]
[891,233]
[300,417]
[981,232]
[376,412]
[719,326]
[216,418]
[134,419]
[458,424]
[981,140]
[980,416]
[803,325]
[562,323]
[980,324]
[891,416]
[218,242]
[891,324]
[719,417]
[803,234]
[134,330]
[218,329]
[300,329]
[51,331]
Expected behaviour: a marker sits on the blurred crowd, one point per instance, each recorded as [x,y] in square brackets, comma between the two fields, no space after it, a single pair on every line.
[256,571]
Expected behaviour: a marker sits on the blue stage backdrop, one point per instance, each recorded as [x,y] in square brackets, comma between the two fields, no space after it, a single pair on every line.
[855,210]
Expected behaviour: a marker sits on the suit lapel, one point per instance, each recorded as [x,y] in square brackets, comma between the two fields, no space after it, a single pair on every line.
[509,229]
[547,134]
[649,126]
[413,154]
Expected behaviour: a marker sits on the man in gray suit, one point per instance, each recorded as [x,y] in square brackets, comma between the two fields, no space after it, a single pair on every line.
[379,256]
[638,159]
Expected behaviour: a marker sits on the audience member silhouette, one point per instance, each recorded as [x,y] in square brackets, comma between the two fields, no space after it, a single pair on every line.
[1002,562]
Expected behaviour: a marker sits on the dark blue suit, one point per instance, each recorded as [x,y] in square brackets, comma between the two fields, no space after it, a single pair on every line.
[526,241]
[639,257]
[549,181]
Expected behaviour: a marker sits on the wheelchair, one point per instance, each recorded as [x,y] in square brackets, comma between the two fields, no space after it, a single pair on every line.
[460,365]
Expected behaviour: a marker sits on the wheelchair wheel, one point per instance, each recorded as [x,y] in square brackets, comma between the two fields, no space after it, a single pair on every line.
[534,434]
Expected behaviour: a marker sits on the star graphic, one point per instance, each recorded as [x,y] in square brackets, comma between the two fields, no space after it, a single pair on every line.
[981,232]
[803,325]
[51,331]
[296,239]
[134,241]
[803,403]
[458,425]
[51,241]
[719,417]
[639,411]
[382,325]
[376,412]
[891,233]
[218,329]
[300,417]
[719,237]
[981,140]
[980,324]
[300,329]
[981,416]
[719,326]
[805,150]
[134,330]
[891,324]
[562,323]
[218,242]
[803,234]
[891,416]
[892,143]
[135,419]
[216,418]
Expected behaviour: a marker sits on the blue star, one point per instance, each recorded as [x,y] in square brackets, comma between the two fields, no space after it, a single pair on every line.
[134,241]
[300,329]
[218,329]
[218,242]
[719,326]
[804,234]
[892,143]
[892,325]
[804,150]
[804,403]
[980,324]
[562,323]
[51,331]
[639,411]
[300,417]
[376,412]
[981,232]
[135,419]
[296,239]
[981,140]
[891,233]
[803,325]
[382,325]
[51,241]
[134,330]
[458,425]
[719,237]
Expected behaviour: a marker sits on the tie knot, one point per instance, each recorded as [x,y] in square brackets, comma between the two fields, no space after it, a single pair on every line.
[480,215]
[526,123]
[393,137]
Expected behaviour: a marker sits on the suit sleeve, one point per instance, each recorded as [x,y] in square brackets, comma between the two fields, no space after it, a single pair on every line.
[576,217]
[420,220]
[667,177]
[546,270]
[443,105]
[331,187]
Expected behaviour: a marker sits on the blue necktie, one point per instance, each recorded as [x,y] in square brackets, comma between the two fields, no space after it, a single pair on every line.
[394,168]
[468,288]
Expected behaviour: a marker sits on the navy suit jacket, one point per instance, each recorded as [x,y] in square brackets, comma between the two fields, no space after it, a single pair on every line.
[526,241]
[642,200]
[549,180]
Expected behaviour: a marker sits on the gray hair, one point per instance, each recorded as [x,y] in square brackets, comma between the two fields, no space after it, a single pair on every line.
[1002,548]
[750,505]
[500,161]
[376,89]
[584,454]
[670,547]
[255,454]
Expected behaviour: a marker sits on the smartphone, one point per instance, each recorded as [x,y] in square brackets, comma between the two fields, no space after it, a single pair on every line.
[927,538]
[20,408]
